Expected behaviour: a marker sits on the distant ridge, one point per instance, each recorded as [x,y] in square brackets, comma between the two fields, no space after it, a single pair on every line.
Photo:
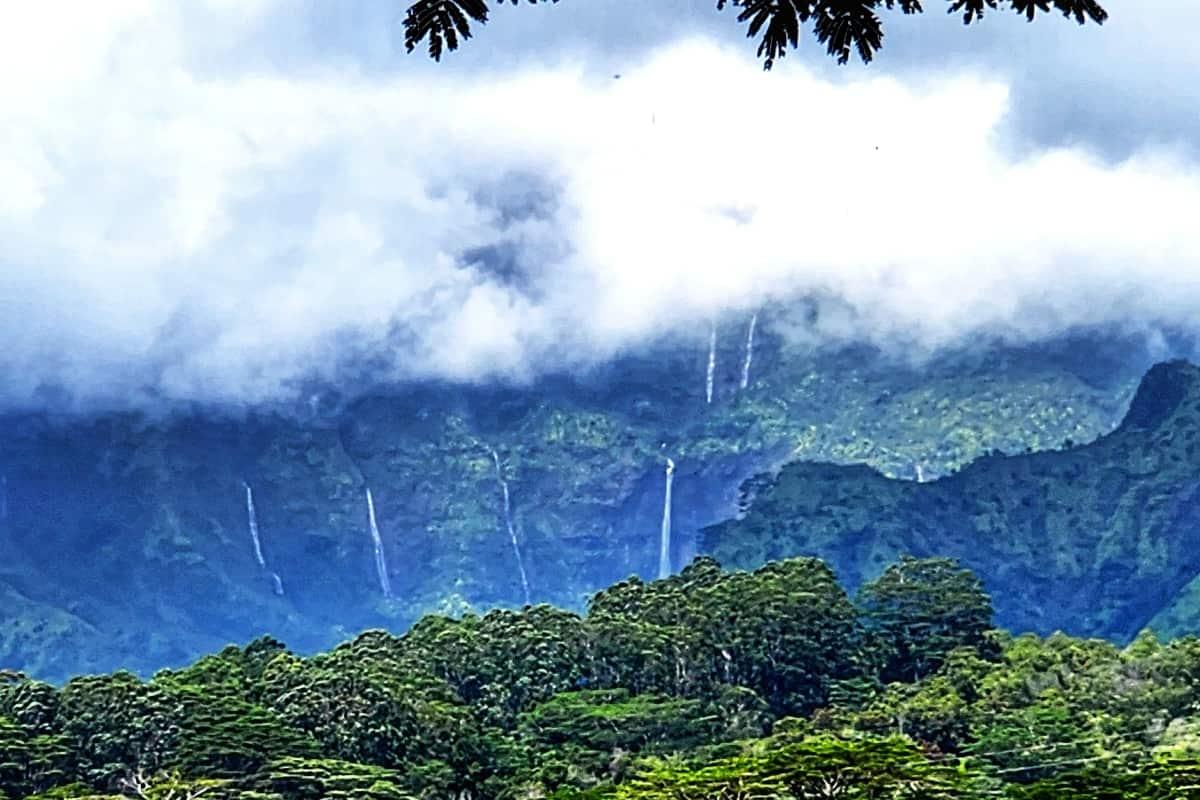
[1098,539]
[1165,388]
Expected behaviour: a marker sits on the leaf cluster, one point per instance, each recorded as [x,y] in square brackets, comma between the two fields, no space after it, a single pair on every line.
[843,27]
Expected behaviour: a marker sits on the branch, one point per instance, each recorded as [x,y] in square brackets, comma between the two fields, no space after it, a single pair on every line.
[138,783]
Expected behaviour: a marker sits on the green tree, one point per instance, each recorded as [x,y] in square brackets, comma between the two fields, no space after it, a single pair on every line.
[786,631]
[226,738]
[919,610]
[171,786]
[811,767]
[368,702]
[31,762]
[587,737]
[31,704]
[118,725]
[330,779]
[932,711]
[505,661]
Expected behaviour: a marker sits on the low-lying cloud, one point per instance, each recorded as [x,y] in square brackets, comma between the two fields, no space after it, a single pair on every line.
[179,232]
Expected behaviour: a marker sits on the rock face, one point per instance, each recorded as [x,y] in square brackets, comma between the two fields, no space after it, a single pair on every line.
[1100,539]
[124,540]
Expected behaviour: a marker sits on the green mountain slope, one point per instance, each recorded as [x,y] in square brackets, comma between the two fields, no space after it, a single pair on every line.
[1100,539]
[129,534]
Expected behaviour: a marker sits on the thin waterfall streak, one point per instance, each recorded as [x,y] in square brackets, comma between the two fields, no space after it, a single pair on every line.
[711,372]
[920,474]
[512,532]
[385,584]
[252,523]
[664,537]
[749,351]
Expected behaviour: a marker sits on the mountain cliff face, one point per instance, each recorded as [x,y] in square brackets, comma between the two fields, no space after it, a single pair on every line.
[1100,539]
[124,540]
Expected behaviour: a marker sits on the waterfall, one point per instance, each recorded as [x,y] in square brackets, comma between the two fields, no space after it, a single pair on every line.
[749,350]
[380,559]
[664,538]
[711,373]
[252,523]
[512,532]
[920,473]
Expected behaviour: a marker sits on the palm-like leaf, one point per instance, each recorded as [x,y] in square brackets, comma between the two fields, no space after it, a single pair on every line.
[843,25]
[443,22]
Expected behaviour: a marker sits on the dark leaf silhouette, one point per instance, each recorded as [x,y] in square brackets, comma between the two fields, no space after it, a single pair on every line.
[442,21]
[842,26]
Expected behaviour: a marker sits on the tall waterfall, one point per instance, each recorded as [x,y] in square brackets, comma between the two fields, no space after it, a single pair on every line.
[380,558]
[749,350]
[664,538]
[252,521]
[711,372]
[512,532]
[920,473]
[252,524]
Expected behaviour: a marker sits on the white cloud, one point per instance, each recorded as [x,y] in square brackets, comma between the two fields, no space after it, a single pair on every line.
[173,231]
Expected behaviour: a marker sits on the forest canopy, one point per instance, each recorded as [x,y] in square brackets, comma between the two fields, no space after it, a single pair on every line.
[709,684]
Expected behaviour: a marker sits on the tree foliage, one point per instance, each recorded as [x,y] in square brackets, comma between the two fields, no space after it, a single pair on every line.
[920,610]
[709,684]
[843,27]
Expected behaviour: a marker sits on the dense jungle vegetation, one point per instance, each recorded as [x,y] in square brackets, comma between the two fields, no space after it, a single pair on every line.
[709,684]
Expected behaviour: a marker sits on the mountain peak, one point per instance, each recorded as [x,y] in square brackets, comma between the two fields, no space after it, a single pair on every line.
[1162,391]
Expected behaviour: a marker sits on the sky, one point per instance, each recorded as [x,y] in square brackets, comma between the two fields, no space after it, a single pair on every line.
[222,202]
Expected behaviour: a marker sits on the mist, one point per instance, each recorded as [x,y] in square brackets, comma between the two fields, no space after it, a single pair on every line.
[185,224]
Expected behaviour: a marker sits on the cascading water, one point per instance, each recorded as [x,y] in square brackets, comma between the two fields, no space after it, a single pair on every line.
[749,351]
[711,372]
[920,473]
[252,524]
[385,584]
[512,532]
[664,537]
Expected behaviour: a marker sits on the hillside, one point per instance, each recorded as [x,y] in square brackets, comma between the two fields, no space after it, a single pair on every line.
[1100,539]
[125,539]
